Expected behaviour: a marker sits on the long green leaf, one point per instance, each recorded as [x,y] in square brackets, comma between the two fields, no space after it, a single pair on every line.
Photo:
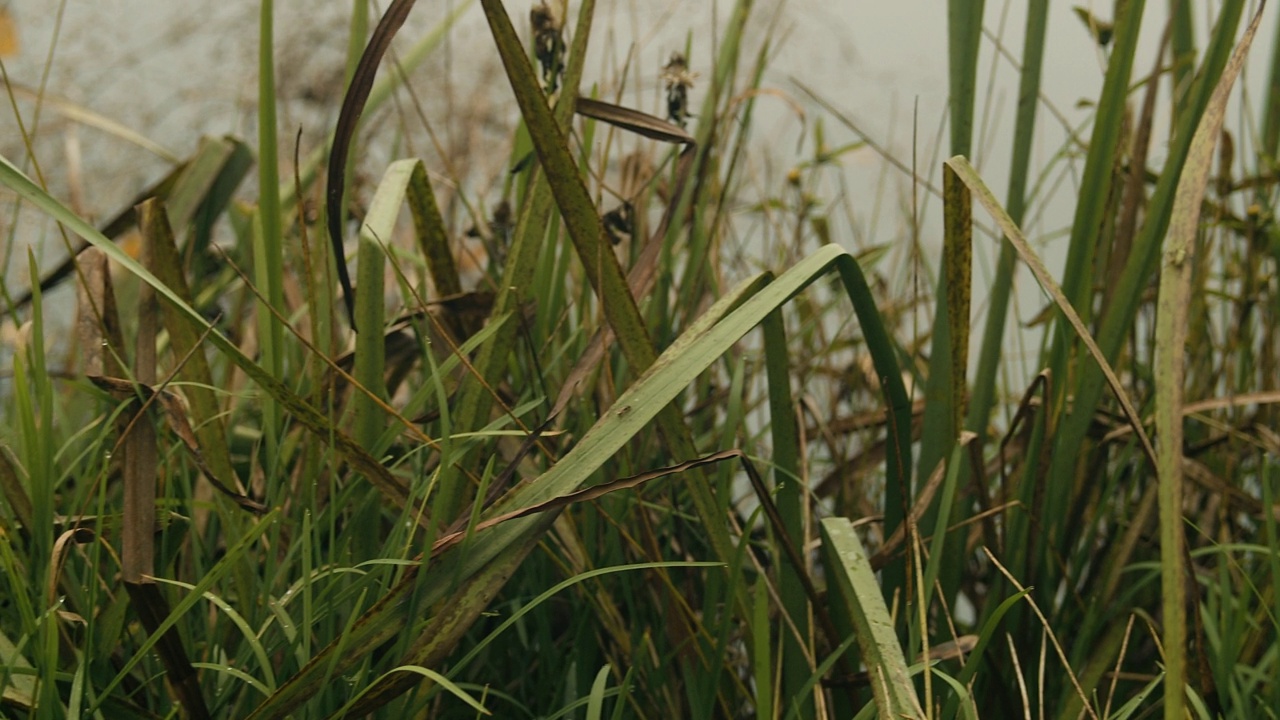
[945,380]
[848,567]
[991,351]
[792,498]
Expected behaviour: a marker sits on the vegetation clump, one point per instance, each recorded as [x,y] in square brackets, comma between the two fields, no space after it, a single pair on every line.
[598,455]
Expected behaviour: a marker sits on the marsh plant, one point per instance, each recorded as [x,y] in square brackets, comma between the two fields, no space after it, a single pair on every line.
[612,436]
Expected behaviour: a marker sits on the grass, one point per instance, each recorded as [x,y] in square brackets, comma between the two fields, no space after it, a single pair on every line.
[633,479]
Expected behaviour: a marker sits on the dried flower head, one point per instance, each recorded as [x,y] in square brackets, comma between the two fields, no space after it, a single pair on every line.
[678,78]
[548,44]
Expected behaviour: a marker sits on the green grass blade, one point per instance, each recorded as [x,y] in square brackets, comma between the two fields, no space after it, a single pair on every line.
[849,569]
[941,553]
[433,237]
[993,338]
[185,338]
[1099,168]
[1077,285]
[268,252]
[1077,282]
[945,414]
[762,660]
[964,38]
[709,125]
[370,359]
[595,708]
[1270,142]
[1183,50]
[964,35]
[945,380]
[957,260]
[791,497]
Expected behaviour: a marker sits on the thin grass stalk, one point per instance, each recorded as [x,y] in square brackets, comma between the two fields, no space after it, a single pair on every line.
[141,459]
[1270,141]
[357,36]
[738,153]
[1271,478]
[1268,160]
[991,351]
[711,684]
[268,246]
[763,660]
[697,280]
[34,409]
[1173,303]
[1097,177]
[938,545]
[964,39]
[1182,49]
[33,406]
